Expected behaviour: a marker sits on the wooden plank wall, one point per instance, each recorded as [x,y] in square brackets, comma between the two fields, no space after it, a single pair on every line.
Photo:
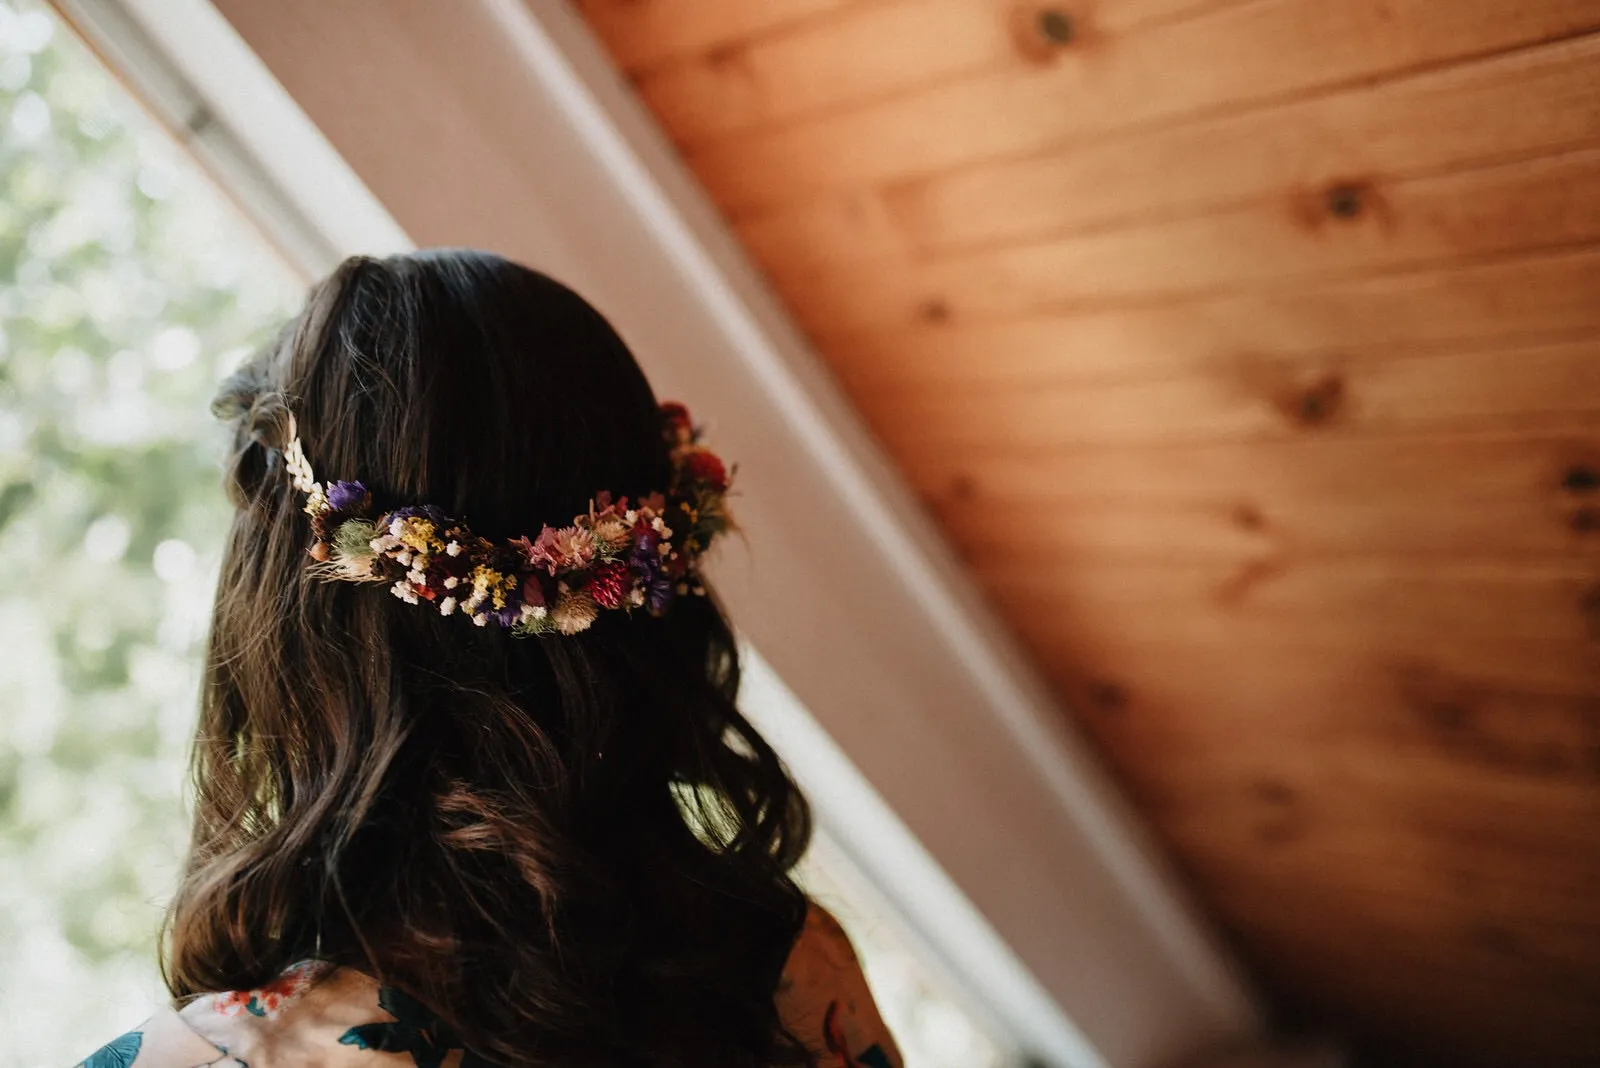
[1248,349]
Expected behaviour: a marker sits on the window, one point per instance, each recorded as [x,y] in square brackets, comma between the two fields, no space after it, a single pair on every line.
[129,287]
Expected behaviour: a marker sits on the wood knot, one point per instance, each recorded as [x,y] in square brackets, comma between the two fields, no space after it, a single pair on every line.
[1341,205]
[1055,26]
[1279,819]
[1107,696]
[1589,606]
[1448,715]
[1346,200]
[1044,31]
[1248,517]
[1580,478]
[1273,792]
[727,56]
[1319,402]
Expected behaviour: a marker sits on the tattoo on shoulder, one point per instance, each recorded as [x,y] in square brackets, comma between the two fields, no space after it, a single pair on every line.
[120,1052]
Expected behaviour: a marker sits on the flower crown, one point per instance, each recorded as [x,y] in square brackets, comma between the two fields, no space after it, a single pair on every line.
[618,556]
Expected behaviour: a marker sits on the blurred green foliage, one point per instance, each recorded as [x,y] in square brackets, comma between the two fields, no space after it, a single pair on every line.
[128,287]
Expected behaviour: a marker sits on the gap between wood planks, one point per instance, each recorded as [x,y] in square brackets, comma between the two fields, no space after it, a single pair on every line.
[908,310]
[1525,299]
[1469,216]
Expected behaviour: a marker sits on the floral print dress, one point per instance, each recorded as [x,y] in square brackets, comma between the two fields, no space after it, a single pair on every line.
[317,1016]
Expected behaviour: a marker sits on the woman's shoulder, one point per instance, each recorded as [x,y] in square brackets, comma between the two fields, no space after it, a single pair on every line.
[163,1041]
[317,1016]
[824,999]
[312,1016]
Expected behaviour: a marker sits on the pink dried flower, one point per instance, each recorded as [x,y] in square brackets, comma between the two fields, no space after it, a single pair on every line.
[562,549]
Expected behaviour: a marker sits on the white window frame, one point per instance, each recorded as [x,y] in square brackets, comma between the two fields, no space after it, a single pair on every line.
[936,761]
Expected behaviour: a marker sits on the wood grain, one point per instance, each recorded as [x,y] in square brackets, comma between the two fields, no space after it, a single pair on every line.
[1234,58]
[870,51]
[1530,625]
[1507,494]
[1252,399]
[1403,225]
[1535,102]
[1473,306]
[1378,808]
[1246,352]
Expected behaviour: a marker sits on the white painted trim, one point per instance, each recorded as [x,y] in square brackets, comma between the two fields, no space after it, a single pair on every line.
[225,107]
[932,751]
[932,911]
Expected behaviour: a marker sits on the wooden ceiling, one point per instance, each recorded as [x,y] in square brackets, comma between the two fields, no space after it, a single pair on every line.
[1248,351]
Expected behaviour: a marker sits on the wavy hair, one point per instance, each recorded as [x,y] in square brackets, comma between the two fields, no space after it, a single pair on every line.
[575,850]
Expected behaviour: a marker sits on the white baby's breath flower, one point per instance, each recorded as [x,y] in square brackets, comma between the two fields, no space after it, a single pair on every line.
[480,619]
[451,582]
[447,606]
[453,549]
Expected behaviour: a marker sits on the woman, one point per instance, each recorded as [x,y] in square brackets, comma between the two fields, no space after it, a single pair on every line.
[480,795]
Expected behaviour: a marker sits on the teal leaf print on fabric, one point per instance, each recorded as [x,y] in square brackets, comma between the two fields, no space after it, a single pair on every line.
[118,1053]
[415,1030]
[874,1057]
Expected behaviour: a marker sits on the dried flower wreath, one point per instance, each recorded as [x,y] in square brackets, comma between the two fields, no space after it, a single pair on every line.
[618,556]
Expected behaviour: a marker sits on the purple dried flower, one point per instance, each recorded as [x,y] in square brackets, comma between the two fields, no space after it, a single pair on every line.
[505,617]
[646,551]
[647,564]
[347,496]
[424,511]
[658,594]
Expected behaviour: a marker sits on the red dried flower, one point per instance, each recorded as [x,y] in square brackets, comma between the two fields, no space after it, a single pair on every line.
[704,466]
[610,583]
[676,421]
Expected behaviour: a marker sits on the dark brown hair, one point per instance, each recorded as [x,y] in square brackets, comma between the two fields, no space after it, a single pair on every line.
[574,849]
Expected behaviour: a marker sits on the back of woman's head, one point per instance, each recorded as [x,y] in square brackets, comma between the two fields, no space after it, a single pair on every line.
[573,848]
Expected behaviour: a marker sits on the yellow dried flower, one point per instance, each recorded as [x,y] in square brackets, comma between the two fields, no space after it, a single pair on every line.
[419,534]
